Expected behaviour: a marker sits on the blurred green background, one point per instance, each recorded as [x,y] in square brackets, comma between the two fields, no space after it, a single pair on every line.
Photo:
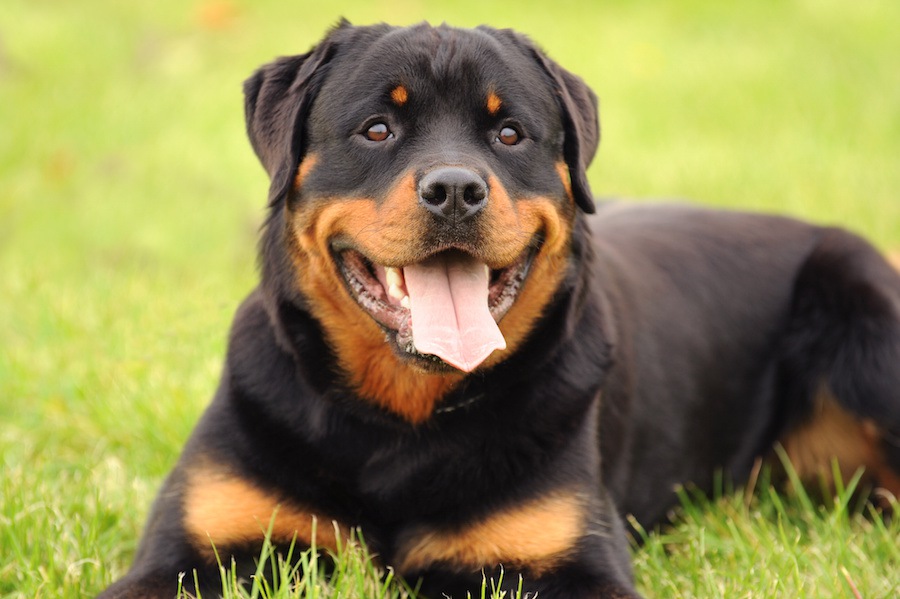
[130,200]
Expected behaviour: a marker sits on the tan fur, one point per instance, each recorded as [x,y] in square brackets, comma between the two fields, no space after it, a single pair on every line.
[392,233]
[222,510]
[493,104]
[303,170]
[894,259]
[536,536]
[562,170]
[370,364]
[835,434]
[514,224]
[399,95]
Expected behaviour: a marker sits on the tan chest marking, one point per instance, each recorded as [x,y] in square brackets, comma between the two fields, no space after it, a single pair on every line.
[222,510]
[537,536]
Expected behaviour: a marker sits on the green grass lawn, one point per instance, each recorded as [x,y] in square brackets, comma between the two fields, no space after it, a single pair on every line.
[130,202]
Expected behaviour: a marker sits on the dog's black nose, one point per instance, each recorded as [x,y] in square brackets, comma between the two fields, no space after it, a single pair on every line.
[453,193]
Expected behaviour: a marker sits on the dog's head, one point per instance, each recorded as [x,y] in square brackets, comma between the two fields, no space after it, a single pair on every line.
[424,182]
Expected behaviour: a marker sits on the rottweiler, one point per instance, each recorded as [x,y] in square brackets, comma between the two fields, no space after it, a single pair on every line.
[457,351]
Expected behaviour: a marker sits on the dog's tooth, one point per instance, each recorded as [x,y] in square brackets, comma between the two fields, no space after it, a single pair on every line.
[394,277]
[404,301]
[395,292]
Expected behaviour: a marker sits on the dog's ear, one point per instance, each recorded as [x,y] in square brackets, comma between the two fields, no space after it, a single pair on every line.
[578,106]
[581,126]
[277,101]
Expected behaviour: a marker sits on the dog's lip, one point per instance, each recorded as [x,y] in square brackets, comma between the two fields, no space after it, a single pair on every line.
[361,279]
[367,282]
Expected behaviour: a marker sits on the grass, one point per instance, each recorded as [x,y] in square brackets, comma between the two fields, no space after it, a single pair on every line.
[769,544]
[294,574]
[130,201]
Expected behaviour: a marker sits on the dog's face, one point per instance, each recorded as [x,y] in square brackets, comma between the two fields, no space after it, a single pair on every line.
[429,178]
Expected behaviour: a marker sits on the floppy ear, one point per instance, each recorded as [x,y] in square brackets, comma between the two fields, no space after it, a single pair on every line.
[581,126]
[277,101]
[578,105]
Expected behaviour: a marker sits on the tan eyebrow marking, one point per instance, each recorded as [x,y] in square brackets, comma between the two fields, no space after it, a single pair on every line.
[399,95]
[493,103]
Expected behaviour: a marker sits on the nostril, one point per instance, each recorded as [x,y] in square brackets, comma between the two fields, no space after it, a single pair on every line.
[434,193]
[474,194]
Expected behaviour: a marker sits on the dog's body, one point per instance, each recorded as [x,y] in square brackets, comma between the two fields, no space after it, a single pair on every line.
[686,341]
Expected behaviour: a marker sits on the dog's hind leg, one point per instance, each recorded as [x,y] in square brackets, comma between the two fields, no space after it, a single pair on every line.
[841,365]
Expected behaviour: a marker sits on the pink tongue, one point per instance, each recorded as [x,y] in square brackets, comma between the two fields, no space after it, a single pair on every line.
[448,299]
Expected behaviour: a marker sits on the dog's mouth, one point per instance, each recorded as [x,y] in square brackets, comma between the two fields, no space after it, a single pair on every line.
[442,310]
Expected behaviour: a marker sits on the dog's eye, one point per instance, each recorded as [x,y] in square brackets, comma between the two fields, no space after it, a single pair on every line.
[508,136]
[378,132]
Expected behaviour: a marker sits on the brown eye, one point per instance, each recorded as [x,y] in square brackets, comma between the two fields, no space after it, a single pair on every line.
[508,136]
[378,132]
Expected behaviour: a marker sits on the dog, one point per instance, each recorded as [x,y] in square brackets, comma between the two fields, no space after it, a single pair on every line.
[456,350]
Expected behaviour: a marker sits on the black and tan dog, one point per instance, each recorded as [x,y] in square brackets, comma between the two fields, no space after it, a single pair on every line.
[447,352]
